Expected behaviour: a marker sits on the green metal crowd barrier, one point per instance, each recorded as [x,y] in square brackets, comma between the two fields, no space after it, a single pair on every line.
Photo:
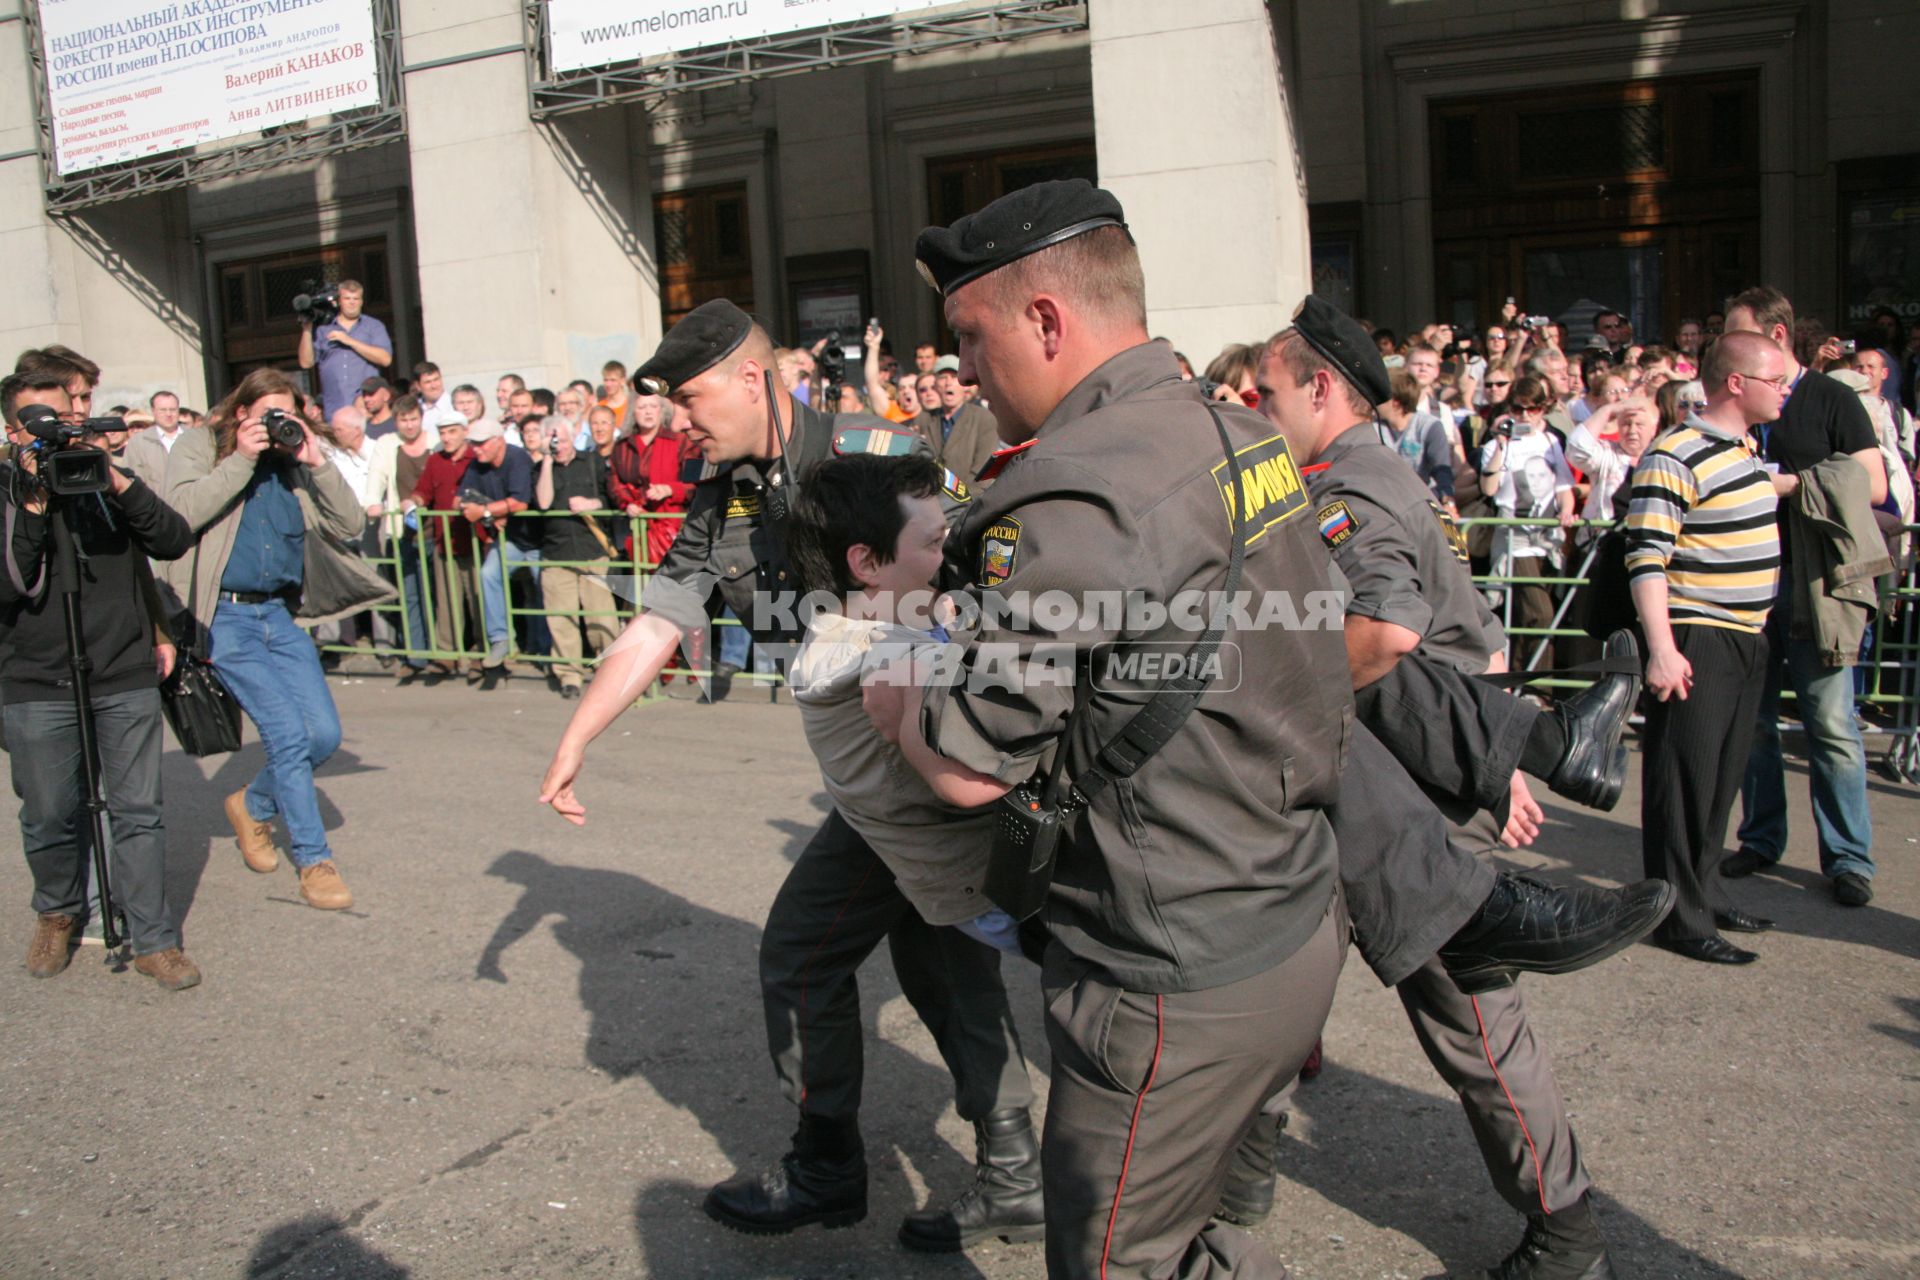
[1890,685]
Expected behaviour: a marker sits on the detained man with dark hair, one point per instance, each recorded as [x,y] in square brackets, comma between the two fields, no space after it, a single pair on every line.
[117,530]
[869,532]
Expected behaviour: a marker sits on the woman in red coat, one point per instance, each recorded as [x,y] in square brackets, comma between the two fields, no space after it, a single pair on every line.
[648,475]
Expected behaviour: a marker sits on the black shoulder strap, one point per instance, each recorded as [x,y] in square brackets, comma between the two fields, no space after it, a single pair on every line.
[1154,725]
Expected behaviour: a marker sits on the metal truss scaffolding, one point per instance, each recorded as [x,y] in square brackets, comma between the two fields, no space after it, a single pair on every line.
[281,145]
[848,44]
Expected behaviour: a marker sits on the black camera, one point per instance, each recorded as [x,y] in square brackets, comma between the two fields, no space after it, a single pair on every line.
[60,467]
[832,361]
[1504,428]
[284,430]
[317,306]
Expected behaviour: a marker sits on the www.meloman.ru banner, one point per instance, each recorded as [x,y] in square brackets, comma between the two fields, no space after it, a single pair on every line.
[599,33]
[129,79]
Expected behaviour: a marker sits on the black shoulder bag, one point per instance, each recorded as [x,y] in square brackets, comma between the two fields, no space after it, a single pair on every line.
[204,717]
[1028,820]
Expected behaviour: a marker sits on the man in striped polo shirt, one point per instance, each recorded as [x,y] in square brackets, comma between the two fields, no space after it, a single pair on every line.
[1703,556]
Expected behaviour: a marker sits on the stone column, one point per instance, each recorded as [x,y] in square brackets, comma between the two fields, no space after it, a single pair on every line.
[535,243]
[1194,135]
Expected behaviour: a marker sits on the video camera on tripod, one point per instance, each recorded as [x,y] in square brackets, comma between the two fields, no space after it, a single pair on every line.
[61,464]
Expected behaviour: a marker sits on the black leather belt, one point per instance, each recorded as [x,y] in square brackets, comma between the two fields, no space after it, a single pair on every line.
[250,597]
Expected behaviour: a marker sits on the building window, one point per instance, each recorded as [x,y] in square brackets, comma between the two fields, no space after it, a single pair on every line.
[1637,197]
[703,244]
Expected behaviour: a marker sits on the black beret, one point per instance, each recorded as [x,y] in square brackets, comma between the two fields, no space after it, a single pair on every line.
[704,337]
[1017,224]
[1339,338]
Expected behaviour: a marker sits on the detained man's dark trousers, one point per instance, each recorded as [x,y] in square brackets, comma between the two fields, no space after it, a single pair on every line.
[1409,887]
[1458,735]
[43,741]
[836,905]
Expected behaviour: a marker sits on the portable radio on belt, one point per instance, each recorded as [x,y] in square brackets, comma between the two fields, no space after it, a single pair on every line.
[1029,820]
[1027,823]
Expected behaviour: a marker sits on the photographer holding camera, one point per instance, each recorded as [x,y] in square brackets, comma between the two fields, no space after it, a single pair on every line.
[250,486]
[116,528]
[348,346]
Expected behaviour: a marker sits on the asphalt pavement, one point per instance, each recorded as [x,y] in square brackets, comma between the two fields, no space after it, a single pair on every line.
[529,1048]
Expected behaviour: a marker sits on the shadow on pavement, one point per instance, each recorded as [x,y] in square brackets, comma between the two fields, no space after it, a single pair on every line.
[672,990]
[1909,1035]
[1385,1153]
[1800,901]
[317,1246]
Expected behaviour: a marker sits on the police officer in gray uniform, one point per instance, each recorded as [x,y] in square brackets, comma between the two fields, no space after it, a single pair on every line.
[1195,926]
[839,900]
[1411,591]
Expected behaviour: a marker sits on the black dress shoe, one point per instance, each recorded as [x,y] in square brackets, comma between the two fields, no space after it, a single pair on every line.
[1709,950]
[1741,922]
[1004,1199]
[1742,863]
[1531,927]
[1595,766]
[822,1179]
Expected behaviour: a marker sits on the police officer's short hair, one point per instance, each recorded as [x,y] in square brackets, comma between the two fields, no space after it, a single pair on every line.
[853,501]
[1100,270]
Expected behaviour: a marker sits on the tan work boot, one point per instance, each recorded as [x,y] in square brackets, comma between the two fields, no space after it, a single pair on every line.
[170,968]
[256,838]
[322,887]
[48,953]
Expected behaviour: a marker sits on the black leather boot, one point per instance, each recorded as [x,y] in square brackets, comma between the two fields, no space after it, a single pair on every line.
[1247,1199]
[1566,1245]
[1594,767]
[1004,1199]
[1532,927]
[823,1179]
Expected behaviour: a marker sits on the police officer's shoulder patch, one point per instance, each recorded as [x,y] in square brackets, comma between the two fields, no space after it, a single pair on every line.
[1337,524]
[1271,488]
[999,546]
[954,487]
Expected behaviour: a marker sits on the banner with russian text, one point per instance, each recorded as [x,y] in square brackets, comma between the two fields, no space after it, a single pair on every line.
[599,33]
[128,79]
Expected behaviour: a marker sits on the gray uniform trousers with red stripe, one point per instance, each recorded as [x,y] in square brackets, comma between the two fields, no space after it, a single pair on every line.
[1149,1095]
[836,905]
[1484,1048]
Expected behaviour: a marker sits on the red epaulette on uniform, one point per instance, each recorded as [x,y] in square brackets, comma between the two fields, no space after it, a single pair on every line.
[999,459]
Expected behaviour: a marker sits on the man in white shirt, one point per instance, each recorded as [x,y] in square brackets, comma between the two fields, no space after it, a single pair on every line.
[436,399]
[352,451]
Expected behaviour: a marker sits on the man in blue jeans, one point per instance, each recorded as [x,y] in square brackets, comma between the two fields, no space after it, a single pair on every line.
[1820,418]
[499,484]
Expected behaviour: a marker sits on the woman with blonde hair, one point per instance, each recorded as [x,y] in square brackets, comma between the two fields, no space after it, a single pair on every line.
[245,485]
